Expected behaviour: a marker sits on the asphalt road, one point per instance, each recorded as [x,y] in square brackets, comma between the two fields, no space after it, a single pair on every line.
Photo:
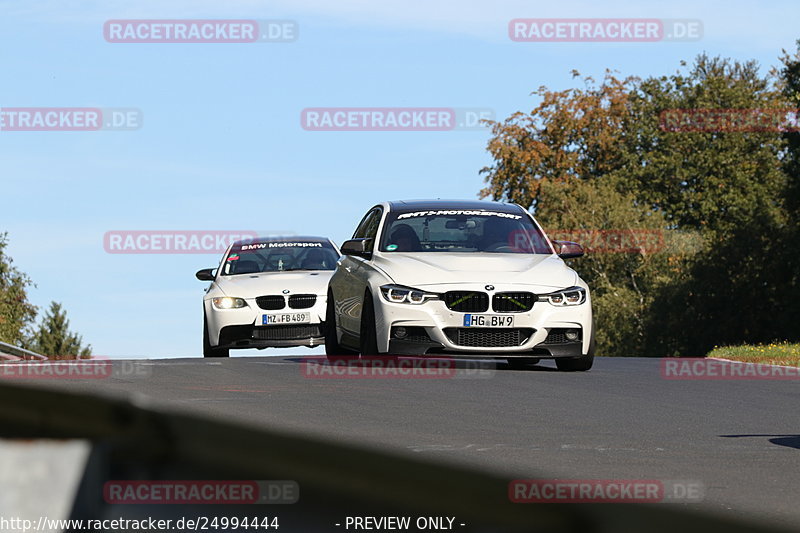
[622,420]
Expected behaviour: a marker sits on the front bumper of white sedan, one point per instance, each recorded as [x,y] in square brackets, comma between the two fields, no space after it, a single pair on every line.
[246,327]
[544,331]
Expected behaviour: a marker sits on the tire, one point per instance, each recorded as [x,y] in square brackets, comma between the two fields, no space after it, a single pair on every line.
[519,363]
[208,350]
[368,338]
[333,350]
[578,364]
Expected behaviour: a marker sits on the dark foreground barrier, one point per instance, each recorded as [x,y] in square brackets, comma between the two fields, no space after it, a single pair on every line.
[153,465]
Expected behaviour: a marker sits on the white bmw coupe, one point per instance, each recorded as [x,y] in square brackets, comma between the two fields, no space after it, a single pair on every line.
[267,293]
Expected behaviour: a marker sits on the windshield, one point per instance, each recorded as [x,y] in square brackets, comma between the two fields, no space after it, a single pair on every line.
[462,231]
[278,256]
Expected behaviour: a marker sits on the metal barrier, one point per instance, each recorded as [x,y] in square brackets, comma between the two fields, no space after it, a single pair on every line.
[11,352]
[135,440]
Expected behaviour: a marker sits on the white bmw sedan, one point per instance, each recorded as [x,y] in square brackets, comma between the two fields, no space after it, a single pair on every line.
[472,278]
[267,292]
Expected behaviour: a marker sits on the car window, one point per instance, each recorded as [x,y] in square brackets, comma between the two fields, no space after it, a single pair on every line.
[280,256]
[368,228]
[462,231]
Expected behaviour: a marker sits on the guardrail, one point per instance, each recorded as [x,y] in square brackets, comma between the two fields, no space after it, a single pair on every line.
[135,440]
[14,353]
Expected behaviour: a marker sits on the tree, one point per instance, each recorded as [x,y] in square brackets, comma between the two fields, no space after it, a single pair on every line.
[730,187]
[53,338]
[16,312]
[600,158]
[567,161]
[789,261]
[576,133]
[629,258]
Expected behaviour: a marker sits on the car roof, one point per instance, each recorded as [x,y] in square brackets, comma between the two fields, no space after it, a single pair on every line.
[439,204]
[287,238]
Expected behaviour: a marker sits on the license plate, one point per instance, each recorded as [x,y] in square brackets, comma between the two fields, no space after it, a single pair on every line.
[285,318]
[488,321]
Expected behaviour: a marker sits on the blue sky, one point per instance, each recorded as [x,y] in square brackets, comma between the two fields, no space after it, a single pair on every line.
[222,148]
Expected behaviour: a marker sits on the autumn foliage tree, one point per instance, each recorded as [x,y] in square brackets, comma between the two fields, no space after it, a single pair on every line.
[571,134]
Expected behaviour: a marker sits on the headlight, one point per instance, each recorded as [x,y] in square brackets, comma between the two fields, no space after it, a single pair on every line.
[226,302]
[571,296]
[399,294]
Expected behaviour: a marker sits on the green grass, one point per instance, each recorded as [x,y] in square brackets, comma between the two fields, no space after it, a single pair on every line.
[776,353]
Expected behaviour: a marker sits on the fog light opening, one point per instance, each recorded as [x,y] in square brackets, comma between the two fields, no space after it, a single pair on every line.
[400,332]
[572,334]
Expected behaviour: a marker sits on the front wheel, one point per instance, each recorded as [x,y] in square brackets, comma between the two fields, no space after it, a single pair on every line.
[368,337]
[333,350]
[208,350]
[578,364]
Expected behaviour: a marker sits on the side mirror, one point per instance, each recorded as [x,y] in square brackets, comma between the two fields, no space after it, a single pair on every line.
[207,274]
[568,249]
[359,247]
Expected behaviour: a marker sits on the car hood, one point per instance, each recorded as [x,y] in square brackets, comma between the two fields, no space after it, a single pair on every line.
[252,285]
[426,269]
